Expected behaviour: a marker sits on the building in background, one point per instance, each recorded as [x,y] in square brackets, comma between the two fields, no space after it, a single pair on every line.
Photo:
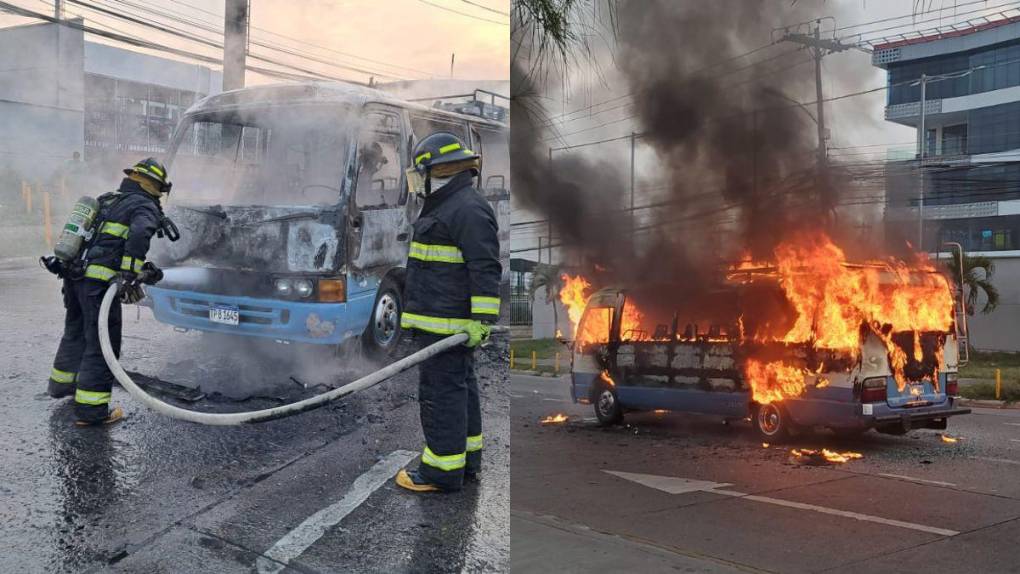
[61,94]
[966,186]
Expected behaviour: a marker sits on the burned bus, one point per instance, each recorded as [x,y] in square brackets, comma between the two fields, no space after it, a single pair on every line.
[786,352]
[295,215]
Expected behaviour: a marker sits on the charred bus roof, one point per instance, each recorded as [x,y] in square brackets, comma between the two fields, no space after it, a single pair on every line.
[316,93]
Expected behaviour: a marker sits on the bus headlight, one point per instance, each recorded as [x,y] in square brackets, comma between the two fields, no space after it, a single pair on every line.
[282,287]
[303,288]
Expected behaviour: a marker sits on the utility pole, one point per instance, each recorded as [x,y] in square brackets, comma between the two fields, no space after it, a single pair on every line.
[820,48]
[453,57]
[58,9]
[235,43]
[633,226]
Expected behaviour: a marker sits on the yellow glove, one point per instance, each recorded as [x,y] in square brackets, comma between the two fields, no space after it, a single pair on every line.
[477,332]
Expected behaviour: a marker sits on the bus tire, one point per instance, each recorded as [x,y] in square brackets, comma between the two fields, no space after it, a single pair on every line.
[381,338]
[772,423]
[607,406]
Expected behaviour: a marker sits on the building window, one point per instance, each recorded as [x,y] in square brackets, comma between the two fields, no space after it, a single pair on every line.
[954,140]
[129,116]
[1001,69]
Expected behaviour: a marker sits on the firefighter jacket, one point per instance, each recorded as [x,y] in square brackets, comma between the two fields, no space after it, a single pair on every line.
[453,268]
[128,218]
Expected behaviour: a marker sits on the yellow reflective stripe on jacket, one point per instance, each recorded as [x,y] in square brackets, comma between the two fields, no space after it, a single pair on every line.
[441,253]
[115,229]
[91,397]
[99,272]
[437,325]
[474,443]
[128,263]
[446,462]
[485,305]
[58,376]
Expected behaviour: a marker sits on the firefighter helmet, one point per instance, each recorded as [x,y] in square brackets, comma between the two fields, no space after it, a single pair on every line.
[440,148]
[154,170]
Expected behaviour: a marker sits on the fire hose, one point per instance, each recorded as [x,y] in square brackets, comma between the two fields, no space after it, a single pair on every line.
[259,416]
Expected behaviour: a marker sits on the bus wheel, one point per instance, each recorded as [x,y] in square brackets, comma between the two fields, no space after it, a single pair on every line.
[772,423]
[607,406]
[382,334]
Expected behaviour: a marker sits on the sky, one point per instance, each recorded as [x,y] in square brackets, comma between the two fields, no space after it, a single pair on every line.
[388,39]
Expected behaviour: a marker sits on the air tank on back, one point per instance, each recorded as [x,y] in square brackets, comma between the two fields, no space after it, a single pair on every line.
[77,229]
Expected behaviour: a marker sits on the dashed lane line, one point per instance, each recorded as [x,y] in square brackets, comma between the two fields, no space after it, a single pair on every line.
[993,459]
[295,542]
[920,480]
[677,485]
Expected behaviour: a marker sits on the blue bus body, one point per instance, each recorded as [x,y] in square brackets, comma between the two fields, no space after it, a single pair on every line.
[295,214]
[651,375]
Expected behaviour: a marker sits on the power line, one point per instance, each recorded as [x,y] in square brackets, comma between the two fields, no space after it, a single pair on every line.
[292,39]
[441,7]
[190,36]
[484,7]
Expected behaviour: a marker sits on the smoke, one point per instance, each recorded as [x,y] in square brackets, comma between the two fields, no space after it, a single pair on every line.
[736,152]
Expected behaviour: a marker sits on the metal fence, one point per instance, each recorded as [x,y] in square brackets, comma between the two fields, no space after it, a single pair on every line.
[520,309]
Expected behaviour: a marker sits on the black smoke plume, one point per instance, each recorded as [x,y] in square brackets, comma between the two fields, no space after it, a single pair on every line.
[724,138]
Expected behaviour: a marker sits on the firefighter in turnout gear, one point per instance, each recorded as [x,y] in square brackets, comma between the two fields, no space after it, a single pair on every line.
[116,250]
[452,286]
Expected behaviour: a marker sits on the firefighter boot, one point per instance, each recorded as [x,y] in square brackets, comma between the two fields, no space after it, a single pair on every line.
[116,415]
[413,481]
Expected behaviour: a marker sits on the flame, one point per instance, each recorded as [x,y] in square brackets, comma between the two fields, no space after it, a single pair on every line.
[833,299]
[949,439]
[764,445]
[574,296]
[825,455]
[554,419]
[605,377]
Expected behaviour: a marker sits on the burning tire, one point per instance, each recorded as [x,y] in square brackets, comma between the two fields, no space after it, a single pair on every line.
[607,406]
[382,335]
[772,423]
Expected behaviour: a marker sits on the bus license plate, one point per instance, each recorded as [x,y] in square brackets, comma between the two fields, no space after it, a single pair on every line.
[225,315]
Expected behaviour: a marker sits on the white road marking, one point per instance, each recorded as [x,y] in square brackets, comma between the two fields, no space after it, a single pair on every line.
[1014,440]
[677,485]
[1012,424]
[311,530]
[992,459]
[670,484]
[921,480]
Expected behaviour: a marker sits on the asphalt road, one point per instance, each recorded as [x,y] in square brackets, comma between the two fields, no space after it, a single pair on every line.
[155,495]
[589,499]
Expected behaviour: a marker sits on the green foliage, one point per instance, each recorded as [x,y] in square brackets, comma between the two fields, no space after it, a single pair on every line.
[978,271]
[986,391]
[543,348]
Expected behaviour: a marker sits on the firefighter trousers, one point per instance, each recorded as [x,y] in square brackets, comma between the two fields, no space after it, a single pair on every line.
[451,415]
[79,366]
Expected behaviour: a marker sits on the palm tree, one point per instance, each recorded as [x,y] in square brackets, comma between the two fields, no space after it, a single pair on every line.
[977,278]
[550,277]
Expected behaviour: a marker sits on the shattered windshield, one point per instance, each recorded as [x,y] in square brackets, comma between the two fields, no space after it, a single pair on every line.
[281,156]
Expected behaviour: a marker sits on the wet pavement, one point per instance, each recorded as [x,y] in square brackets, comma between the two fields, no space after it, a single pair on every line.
[158,495]
[675,491]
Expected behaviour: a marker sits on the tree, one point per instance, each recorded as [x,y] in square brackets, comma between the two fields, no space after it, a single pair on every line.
[977,278]
[550,277]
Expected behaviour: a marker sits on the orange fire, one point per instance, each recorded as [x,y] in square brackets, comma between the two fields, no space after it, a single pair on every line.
[554,419]
[949,439]
[575,293]
[825,455]
[833,299]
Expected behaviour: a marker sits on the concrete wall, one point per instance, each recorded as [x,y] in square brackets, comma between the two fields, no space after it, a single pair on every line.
[542,319]
[41,97]
[1000,330]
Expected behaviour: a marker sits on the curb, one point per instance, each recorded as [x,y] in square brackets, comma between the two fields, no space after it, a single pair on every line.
[535,373]
[988,404]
